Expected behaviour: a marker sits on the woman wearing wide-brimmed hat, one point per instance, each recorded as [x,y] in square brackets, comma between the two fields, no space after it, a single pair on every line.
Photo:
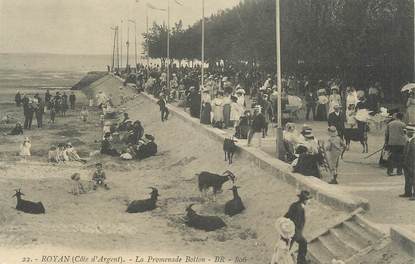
[410,108]
[334,148]
[285,232]
[322,101]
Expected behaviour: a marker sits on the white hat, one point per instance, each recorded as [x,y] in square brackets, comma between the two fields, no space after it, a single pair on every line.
[285,227]
[242,91]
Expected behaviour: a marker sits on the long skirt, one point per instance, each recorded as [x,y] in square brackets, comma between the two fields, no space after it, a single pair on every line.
[205,117]
[227,115]
[321,114]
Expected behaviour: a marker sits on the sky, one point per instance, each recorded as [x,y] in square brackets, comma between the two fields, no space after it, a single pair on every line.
[84,26]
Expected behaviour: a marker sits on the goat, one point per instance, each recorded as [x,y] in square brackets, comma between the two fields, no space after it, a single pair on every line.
[229,148]
[28,206]
[234,206]
[202,222]
[354,134]
[139,206]
[207,180]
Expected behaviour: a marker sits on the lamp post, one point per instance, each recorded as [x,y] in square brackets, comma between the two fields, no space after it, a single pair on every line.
[279,137]
[135,40]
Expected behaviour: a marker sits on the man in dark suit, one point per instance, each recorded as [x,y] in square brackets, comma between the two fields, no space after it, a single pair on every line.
[162,102]
[296,213]
[409,164]
[395,139]
[337,120]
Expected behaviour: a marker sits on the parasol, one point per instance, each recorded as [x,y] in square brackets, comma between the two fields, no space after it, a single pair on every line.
[408,87]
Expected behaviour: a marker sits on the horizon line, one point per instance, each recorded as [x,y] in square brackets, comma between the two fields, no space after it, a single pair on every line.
[53,53]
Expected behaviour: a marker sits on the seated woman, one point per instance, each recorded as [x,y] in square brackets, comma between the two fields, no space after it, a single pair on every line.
[147,148]
[17,130]
[307,164]
[135,134]
[291,140]
[106,146]
[63,156]
[72,153]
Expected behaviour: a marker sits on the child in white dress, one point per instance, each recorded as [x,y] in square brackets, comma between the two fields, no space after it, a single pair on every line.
[25,148]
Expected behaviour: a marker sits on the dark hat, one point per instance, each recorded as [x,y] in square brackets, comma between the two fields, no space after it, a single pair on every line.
[304,195]
[149,137]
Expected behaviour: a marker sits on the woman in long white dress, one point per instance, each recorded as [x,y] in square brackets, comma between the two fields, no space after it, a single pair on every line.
[285,232]
[334,98]
[410,108]
[217,109]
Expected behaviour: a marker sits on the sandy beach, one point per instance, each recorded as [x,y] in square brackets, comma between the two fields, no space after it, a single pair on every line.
[97,220]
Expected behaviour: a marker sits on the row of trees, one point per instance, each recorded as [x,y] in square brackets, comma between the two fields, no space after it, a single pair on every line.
[357,40]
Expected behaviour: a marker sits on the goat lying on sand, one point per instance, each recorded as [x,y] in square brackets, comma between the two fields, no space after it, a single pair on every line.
[28,206]
[207,223]
[139,206]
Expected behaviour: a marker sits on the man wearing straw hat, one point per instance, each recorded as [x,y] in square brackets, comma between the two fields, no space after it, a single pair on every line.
[296,213]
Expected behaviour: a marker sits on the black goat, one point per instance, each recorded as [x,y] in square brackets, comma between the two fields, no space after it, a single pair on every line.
[28,206]
[139,206]
[234,206]
[354,134]
[229,148]
[207,223]
[208,180]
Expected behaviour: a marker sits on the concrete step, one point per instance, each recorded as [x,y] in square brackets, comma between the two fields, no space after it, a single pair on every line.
[360,232]
[337,246]
[351,236]
[369,227]
[320,252]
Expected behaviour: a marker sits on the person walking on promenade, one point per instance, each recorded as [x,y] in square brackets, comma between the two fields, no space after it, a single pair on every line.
[310,100]
[257,125]
[337,120]
[72,100]
[285,232]
[18,99]
[162,102]
[409,164]
[395,140]
[334,150]
[296,213]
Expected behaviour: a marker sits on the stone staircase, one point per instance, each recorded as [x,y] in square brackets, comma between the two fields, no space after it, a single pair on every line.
[349,238]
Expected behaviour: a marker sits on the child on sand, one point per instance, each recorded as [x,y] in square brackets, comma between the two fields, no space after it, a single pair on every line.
[25,148]
[99,177]
[84,114]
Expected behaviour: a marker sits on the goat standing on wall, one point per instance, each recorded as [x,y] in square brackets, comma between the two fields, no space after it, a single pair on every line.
[28,206]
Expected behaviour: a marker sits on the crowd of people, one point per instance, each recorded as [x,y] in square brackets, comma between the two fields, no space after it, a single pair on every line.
[38,106]
[246,100]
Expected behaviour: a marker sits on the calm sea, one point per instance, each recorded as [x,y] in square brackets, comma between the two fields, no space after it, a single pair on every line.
[43,71]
